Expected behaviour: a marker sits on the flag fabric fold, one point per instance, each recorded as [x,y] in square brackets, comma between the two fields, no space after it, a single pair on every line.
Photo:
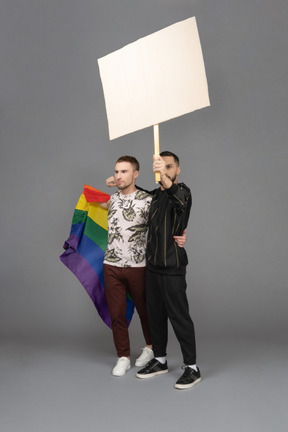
[85,249]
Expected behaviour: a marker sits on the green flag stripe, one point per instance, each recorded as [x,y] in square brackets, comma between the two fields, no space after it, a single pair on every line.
[79,216]
[96,233]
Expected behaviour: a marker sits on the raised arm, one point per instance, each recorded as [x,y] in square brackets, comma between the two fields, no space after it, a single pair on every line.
[111,182]
[179,194]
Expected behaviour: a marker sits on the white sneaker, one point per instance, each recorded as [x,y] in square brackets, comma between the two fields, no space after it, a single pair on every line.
[122,366]
[145,357]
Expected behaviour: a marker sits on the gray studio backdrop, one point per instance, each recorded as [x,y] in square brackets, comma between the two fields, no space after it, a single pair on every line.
[234,156]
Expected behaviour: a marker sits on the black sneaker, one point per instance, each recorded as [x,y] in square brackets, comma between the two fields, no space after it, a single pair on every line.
[153,368]
[189,378]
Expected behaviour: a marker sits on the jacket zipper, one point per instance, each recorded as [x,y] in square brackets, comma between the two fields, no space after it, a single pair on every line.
[177,258]
[165,224]
[156,247]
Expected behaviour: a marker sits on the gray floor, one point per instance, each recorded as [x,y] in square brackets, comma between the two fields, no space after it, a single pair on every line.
[63,385]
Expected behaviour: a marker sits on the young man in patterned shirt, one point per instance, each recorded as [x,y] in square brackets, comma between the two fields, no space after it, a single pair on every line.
[124,262]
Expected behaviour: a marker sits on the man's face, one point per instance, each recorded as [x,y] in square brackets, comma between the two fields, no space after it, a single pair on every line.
[125,175]
[172,170]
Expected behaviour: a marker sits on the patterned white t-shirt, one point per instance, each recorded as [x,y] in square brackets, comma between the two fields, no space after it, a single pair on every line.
[127,228]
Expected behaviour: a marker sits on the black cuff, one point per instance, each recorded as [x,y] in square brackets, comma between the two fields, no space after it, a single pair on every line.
[172,190]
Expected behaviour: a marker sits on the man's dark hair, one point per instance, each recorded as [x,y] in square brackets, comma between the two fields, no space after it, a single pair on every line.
[134,162]
[168,153]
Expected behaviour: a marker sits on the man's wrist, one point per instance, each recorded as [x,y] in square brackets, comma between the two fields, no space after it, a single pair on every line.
[165,181]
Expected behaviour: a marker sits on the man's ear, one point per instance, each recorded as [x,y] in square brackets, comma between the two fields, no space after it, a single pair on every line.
[178,170]
[136,174]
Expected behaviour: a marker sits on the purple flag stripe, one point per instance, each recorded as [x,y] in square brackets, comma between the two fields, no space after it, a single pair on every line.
[90,281]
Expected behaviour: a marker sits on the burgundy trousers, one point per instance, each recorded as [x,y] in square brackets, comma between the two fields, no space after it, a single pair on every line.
[118,280]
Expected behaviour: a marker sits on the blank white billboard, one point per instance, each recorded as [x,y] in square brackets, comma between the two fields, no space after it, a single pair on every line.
[155,79]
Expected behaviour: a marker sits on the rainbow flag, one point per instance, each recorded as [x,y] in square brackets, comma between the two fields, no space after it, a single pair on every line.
[85,249]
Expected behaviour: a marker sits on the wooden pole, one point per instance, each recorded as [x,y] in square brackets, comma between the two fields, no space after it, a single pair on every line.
[156,148]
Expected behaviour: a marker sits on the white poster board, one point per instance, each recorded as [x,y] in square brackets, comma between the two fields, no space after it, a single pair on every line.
[155,79]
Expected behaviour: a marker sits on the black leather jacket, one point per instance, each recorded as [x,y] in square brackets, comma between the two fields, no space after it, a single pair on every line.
[169,214]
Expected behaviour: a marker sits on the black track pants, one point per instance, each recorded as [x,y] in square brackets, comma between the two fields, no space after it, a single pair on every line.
[166,298]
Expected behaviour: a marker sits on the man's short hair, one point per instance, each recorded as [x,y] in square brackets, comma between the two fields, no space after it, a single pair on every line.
[168,153]
[132,160]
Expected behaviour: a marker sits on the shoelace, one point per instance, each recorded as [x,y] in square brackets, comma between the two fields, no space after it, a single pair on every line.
[184,367]
[186,370]
[150,362]
[121,359]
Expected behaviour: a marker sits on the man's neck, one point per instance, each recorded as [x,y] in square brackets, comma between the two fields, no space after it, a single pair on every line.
[128,191]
